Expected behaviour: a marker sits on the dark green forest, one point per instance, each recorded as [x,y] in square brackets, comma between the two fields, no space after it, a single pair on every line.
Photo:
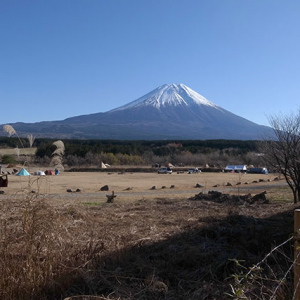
[179,152]
[159,148]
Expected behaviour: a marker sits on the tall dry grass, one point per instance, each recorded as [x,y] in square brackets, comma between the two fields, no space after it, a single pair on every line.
[11,131]
[41,252]
[147,249]
[57,155]
[31,139]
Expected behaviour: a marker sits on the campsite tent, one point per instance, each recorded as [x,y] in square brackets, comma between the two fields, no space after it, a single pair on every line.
[103,166]
[39,173]
[49,172]
[23,172]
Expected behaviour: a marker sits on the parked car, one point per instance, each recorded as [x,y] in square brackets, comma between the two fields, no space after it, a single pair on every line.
[164,170]
[193,171]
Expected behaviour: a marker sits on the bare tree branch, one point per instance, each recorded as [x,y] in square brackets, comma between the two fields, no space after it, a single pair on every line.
[283,153]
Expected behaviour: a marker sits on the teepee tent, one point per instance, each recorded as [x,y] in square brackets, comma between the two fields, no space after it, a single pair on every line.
[103,166]
[23,172]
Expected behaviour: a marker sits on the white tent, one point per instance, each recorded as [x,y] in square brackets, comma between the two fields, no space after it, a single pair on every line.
[103,166]
[39,173]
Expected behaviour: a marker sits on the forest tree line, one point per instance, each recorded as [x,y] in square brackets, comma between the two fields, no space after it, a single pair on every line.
[116,152]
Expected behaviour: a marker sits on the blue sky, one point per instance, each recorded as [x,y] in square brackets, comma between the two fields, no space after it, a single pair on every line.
[63,58]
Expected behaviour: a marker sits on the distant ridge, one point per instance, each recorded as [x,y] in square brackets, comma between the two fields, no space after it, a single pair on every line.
[171,111]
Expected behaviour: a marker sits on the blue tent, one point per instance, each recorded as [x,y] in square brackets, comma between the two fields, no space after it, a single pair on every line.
[23,172]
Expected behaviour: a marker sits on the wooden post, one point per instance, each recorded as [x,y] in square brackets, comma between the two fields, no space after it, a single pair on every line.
[297,254]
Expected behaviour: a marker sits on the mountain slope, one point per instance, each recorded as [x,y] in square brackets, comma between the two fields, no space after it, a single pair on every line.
[169,112]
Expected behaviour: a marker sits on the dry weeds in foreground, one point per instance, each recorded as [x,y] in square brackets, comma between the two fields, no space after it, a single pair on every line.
[158,249]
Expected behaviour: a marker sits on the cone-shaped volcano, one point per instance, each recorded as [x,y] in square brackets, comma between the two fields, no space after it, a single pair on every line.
[171,111]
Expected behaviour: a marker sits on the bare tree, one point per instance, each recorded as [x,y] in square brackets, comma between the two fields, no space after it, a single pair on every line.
[283,153]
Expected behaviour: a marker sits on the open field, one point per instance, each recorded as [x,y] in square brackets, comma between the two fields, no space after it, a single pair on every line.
[16,151]
[138,185]
[148,244]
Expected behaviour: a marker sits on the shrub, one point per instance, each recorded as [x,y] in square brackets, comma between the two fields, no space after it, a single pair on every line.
[8,159]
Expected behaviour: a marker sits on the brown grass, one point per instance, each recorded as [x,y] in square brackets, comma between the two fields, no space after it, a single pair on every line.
[22,151]
[146,245]
[135,185]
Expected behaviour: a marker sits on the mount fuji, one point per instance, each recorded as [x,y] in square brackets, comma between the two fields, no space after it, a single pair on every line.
[171,111]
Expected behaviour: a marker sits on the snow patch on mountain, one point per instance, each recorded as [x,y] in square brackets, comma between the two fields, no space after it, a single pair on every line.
[169,95]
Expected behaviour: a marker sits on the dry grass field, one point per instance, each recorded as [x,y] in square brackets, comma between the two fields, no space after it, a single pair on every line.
[147,244]
[137,185]
[20,151]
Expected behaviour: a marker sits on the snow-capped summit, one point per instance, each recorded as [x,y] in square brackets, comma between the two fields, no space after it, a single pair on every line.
[169,95]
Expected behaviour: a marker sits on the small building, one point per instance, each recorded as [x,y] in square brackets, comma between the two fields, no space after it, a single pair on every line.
[236,168]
